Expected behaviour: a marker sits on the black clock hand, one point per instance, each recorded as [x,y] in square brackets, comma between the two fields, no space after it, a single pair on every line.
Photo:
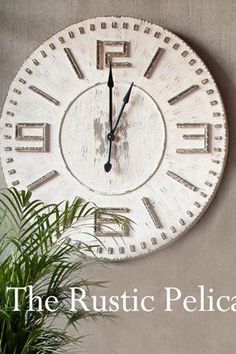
[125,101]
[110,136]
[110,84]
[108,165]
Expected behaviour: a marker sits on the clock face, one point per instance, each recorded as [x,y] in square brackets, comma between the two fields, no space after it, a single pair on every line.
[168,149]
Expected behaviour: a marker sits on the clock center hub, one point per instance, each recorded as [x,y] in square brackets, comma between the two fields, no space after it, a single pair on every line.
[137,146]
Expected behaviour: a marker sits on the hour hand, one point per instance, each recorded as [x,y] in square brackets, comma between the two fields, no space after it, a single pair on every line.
[125,101]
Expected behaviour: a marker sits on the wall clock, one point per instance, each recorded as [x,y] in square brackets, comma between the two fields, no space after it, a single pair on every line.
[167,151]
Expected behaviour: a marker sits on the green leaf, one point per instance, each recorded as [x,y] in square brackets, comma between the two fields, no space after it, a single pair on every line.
[32,253]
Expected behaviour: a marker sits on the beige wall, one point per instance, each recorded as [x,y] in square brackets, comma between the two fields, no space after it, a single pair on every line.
[207,254]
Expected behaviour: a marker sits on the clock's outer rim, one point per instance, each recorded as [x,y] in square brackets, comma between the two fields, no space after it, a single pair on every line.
[226,142]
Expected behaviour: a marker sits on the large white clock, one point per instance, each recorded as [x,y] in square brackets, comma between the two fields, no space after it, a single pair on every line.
[160,164]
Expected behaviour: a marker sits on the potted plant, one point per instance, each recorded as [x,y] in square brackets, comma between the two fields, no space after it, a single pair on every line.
[34,252]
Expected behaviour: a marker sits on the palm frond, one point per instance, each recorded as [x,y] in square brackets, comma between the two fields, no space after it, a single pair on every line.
[33,252]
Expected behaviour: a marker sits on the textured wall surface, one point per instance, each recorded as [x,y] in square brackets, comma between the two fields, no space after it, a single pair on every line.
[206,255]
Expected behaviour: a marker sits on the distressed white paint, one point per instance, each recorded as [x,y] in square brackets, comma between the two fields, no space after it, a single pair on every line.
[147,139]
[136,151]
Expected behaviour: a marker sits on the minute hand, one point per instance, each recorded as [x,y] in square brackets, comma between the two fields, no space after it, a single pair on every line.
[110,84]
[125,101]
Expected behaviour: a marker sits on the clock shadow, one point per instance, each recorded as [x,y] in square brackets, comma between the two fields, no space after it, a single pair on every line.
[227,88]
